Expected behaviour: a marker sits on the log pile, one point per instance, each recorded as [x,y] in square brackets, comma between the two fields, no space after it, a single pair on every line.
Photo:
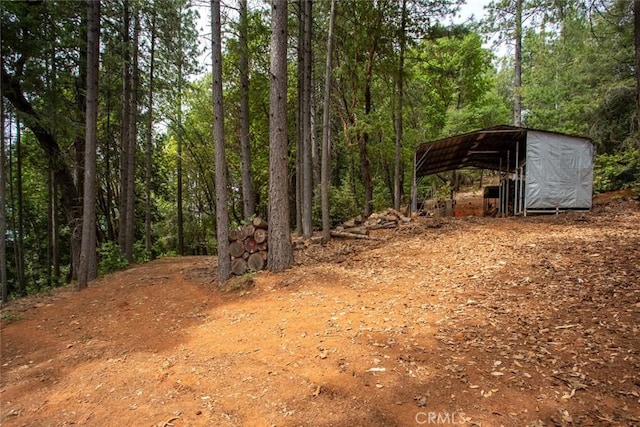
[358,228]
[248,247]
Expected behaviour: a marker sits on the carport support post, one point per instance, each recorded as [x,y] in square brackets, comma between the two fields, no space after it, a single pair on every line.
[515,190]
[516,194]
[500,198]
[413,206]
[521,192]
[506,199]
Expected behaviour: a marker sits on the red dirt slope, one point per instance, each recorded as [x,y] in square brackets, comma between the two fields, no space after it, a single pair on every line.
[484,321]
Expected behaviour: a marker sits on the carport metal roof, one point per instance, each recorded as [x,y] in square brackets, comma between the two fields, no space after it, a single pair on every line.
[492,148]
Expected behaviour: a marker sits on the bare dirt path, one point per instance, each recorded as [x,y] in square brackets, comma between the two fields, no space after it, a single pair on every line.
[481,321]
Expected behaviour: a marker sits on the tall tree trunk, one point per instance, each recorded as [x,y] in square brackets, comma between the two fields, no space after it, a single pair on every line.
[307,166]
[51,206]
[180,213]
[81,105]
[363,139]
[88,269]
[280,250]
[363,144]
[326,125]
[149,145]
[3,217]
[300,120]
[11,184]
[109,213]
[636,29]
[248,200]
[455,181]
[19,243]
[315,153]
[125,131]
[55,226]
[179,169]
[517,83]
[79,148]
[222,210]
[397,188]
[49,222]
[133,142]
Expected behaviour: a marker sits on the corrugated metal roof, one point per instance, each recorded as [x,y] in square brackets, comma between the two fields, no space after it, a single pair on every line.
[490,148]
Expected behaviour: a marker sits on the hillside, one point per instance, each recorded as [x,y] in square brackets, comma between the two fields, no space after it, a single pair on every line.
[485,321]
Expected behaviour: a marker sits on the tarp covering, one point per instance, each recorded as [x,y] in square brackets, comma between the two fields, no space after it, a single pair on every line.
[559,171]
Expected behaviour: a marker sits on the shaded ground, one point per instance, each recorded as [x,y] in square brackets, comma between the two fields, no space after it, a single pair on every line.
[484,321]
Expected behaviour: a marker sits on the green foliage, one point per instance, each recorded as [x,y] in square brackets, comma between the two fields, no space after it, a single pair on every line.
[578,77]
[10,317]
[616,171]
[342,206]
[110,258]
[613,117]
[490,110]
[558,81]
[452,73]
[140,254]
[443,192]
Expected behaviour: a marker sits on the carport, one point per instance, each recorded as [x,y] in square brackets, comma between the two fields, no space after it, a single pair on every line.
[540,171]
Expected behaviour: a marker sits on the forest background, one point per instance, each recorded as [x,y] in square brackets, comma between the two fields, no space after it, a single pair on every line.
[401,73]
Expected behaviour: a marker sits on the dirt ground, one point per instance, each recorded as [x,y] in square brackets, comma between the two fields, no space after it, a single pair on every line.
[478,321]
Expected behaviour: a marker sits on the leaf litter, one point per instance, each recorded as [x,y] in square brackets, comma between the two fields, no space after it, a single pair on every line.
[527,321]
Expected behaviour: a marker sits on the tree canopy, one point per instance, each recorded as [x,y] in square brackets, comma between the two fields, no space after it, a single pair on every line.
[400,74]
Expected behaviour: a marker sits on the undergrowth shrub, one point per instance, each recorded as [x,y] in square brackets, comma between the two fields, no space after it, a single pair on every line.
[110,258]
[616,171]
[342,206]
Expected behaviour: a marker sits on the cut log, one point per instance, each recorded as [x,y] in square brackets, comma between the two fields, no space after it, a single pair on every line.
[255,262]
[245,255]
[239,234]
[391,217]
[250,245]
[236,248]
[260,236]
[352,235]
[264,255]
[238,266]
[262,246]
[233,235]
[350,223]
[372,222]
[357,230]
[388,224]
[259,223]
[248,230]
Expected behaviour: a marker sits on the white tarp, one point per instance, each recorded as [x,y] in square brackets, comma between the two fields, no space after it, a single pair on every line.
[559,171]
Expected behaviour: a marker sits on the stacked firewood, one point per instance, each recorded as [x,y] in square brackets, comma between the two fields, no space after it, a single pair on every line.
[248,247]
[359,228]
[390,218]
